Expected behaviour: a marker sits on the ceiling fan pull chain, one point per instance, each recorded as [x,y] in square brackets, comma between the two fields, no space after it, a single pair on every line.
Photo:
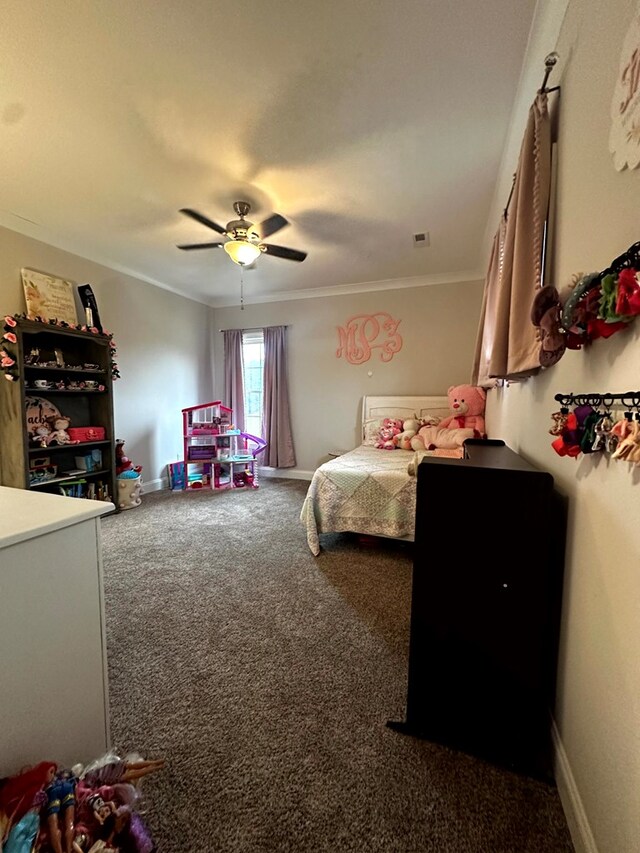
[241,289]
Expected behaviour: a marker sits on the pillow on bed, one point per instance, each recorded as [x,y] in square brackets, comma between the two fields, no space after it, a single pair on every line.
[371,431]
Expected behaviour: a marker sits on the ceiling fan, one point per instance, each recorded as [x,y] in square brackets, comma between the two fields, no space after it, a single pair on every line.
[244,243]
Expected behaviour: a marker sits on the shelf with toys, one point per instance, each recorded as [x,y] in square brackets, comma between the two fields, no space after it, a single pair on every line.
[57,410]
[215,453]
[68,446]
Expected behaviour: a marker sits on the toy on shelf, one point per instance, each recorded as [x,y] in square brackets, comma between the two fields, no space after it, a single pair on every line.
[59,434]
[215,452]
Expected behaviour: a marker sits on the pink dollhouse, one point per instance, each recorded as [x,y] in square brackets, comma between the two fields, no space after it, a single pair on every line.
[215,453]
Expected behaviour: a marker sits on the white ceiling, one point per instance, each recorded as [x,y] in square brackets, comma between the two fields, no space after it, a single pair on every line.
[361,121]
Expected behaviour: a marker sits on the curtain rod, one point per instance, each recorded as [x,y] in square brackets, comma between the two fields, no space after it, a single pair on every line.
[256,328]
[549,64]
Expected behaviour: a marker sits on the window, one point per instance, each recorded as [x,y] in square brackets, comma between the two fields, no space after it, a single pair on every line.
[253,358]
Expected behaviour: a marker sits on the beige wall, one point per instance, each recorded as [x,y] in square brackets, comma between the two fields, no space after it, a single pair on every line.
[166,345]
[438,327]
[598,708]
[163,343]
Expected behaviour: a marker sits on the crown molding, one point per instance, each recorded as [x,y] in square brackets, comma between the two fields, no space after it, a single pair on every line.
[358,287]
[33,230]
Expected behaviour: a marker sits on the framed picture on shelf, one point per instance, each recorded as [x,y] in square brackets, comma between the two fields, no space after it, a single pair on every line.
[48,297]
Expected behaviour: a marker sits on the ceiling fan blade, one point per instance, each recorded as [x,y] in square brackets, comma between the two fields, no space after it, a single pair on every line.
[283,252]
[271,225]
[201,246]
[202,219]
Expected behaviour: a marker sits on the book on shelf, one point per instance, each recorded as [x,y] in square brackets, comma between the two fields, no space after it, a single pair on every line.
[80,488]
[73,488]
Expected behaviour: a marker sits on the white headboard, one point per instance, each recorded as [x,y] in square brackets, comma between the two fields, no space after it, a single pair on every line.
[404,407]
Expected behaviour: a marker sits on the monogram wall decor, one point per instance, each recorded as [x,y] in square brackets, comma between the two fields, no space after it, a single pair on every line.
[624,137]
[363,333]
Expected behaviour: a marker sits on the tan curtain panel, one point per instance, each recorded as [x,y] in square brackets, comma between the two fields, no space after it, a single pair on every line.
[507,345]
[486,329]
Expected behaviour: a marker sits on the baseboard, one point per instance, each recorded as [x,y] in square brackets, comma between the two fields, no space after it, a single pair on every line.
[285,473]
[574,811]
[149,486]
[154,485]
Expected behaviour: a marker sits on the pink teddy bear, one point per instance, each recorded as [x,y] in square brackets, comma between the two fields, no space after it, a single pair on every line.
[466,403]
[467,409]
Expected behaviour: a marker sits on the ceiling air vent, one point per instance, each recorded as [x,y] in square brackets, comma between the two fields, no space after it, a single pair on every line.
[421,239]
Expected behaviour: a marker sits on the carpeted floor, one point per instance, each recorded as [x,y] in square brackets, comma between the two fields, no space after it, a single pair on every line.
[265,677]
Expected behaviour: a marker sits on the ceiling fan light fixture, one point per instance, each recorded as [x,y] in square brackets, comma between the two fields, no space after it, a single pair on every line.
[243,240]
[242,252]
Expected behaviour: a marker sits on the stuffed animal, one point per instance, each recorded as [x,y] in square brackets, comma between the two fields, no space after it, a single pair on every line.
[391,427]
[466,403]
[123,463]
[430,437]
[403,441]
[409,428]
[467,409]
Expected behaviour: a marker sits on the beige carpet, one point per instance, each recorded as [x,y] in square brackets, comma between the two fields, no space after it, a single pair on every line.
[265,677]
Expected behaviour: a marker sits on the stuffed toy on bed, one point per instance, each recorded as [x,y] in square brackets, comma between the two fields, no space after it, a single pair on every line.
[467,408]
[466,403]
[409,428]
[390,429]
[432,437]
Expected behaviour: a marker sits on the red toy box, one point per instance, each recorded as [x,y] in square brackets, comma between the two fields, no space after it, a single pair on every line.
[88,433]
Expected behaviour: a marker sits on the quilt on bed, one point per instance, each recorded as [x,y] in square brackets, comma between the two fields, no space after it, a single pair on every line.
[363,491]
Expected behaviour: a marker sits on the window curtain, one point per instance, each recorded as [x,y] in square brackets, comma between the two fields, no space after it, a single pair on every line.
[486,329]
[233,375]
[276,417]
[507,346]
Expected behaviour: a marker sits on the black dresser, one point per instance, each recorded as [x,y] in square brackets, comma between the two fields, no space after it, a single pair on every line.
[485,611]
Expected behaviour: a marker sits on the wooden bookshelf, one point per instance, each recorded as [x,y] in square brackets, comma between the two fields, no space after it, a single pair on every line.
[61,358]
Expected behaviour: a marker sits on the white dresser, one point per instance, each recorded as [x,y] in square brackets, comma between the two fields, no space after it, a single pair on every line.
[53,663]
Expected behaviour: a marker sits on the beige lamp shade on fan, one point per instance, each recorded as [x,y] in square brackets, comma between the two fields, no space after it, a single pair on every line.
[242,252]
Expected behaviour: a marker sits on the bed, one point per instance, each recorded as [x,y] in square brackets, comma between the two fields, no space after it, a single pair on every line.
[366,490]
